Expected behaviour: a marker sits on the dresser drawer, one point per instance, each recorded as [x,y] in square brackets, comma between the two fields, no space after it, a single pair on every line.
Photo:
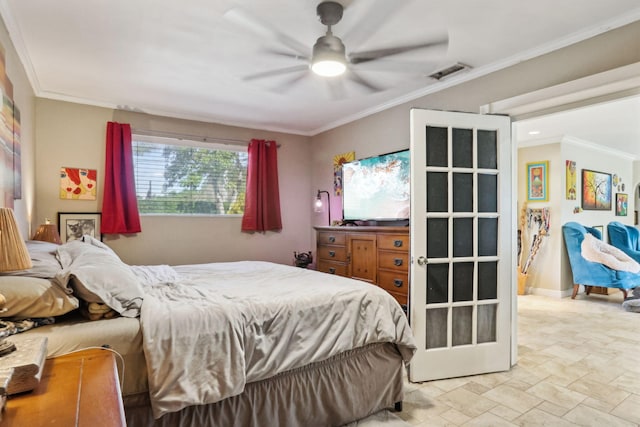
[402,300]
[332,253]
[394,282]
[331,238]
[332,267]
[398,261]
[398,242]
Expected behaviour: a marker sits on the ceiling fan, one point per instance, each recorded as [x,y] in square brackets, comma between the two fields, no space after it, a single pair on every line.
[329,57]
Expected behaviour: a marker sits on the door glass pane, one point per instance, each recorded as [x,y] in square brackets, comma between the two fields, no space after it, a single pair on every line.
[437,238]
[487,149]
[437,192]
[437,283]
[487,323]
[488,189]
[436,146]
[461,325]
[436,328]
[462,148]
[462,281]
[463,192]
[487,236]
[462,237]
[487,280]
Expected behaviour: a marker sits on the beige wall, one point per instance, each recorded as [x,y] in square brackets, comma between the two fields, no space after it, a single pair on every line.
[389,130]
[74,135]
[24,99]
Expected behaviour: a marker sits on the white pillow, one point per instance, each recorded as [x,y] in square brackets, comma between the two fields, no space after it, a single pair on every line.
[595,250]
[97,274]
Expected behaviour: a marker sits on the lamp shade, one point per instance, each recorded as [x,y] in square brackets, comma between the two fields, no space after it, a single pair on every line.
[13,251]
[47,233]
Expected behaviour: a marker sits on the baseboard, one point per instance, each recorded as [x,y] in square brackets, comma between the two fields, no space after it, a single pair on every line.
[551,293]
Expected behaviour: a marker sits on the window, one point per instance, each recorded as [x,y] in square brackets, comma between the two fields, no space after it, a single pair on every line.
[187,177]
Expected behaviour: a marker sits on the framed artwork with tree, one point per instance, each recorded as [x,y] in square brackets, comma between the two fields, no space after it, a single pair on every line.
[596,190]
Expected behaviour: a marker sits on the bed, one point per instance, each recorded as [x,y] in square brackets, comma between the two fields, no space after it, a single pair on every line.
[226,344]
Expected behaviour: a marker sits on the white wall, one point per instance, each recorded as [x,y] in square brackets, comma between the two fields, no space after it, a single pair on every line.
[550,273]
[544,269]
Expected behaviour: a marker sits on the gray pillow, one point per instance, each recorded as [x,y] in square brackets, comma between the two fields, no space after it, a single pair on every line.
[96,274]
[43,258]
[632,305]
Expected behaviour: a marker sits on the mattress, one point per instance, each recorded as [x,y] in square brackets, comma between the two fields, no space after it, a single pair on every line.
[122,334]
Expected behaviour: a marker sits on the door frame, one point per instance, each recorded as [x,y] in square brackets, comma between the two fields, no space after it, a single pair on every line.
[611,85]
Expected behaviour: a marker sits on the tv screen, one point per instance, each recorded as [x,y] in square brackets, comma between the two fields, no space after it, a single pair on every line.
[377,188]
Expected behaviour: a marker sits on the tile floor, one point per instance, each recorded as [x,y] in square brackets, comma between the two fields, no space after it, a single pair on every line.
[578,364]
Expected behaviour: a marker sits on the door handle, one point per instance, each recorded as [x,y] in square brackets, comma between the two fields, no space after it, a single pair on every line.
[422,261]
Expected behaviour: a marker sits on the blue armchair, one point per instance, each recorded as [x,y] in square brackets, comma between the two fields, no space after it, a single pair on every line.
[589,273]
[626,238]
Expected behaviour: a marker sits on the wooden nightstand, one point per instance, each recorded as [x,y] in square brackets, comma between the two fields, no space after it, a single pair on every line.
[79,389]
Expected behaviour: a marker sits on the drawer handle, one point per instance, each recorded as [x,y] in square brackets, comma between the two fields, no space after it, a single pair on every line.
[332,239]
[332,270]
[397,262]
[398,283]
[332,253]
[397,243]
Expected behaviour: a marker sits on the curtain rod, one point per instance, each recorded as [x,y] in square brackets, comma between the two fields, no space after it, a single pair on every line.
[201,138]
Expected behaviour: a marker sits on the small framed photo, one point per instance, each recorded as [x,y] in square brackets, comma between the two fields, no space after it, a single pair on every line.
[74,225]
[538,181]
[621,204]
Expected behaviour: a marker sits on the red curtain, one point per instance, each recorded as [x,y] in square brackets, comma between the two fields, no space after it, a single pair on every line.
[262,200]
[119,203]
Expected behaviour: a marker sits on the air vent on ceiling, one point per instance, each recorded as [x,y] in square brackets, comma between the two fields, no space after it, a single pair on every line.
[452,69]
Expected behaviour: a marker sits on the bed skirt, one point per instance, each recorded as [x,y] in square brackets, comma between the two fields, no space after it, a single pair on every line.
[342,389]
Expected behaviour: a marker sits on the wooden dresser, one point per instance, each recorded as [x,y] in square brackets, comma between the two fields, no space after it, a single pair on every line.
[79,389]
[378,255]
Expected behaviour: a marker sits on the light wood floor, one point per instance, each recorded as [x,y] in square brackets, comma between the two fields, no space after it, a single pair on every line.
[578,364]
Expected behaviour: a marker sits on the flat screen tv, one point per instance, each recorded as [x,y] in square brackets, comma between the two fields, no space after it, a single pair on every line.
[377,188]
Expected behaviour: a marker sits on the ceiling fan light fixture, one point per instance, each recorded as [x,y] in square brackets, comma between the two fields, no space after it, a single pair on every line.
[328,56]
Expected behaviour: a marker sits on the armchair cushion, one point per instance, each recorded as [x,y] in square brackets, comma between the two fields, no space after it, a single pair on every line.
[626,238]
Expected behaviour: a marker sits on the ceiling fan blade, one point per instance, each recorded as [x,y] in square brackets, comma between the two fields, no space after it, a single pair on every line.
[289,83]
[379,12]
[276,72]
[294,56]
[370,55]
[403,67]
[336,88]
[356,78]
[258,26]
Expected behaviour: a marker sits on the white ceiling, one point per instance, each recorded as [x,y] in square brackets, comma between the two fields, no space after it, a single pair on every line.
[612,125]
[188,60]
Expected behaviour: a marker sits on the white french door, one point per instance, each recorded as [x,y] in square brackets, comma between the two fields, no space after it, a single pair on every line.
[461,244]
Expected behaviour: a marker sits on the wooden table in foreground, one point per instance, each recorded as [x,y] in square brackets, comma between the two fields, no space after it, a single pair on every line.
[79,389]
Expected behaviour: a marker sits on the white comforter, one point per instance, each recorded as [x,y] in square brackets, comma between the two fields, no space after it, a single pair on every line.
[209,329]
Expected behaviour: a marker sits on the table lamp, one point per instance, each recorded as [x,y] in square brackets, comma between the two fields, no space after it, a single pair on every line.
[13,256]
[47,232]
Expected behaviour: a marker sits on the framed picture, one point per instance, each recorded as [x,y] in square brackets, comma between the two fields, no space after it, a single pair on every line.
[621,204]
[596,190]
[537,181]
[600,228]
[74,225]
[571,181]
